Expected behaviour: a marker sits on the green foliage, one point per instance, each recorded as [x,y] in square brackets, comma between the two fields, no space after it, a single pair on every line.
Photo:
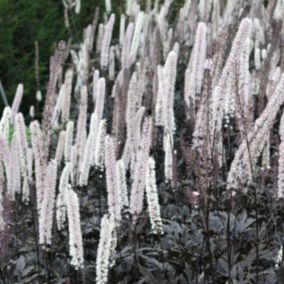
[23,22]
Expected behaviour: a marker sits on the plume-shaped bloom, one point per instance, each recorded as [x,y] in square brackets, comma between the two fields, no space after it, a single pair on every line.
[152,197]
[20,131]
[38,96]
[14,184]
[136,37]
[81,133]
[125,59]
[46,209]
[243,165]
[121,183]
[280,192]
[100,98]
[66,101]
[122,29]
[195,70]
[60,202]
[139,172]
[87,160]
[108,6]
[159,114]
[17,100]
[74,225]
[111,65]
[113,196]
[168,149]
[106,249]
[134,114]
[104,59]
[60,147]
[170,70]
[37,146]
[100,145]
[58,106]
[96,77]
[227,79]
[68,140]
[5,123]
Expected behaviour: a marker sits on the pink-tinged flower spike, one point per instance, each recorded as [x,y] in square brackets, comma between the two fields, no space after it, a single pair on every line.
[15,169]
[280,192]
[121,183]
[113,196]
[73,162]
[106,42]
[67,95]
[100,98]
[32,112]
[78,6]
[106,249]
[68,141]
[136,136]
[168,149]
[195,70]
[278,10]
[38,96]
[58,106]
[2,220]
[17,100]
[74,225]
[5,123]
[47,206]
[226,81]
[122,29]
[216,19]
[30,159]
[250,150]
[108,6]
[60,147]
[81,133]
[136,37]
[37,146]
[60,204]
[5,159]
[100,145]
[139,173]
[96,77]
[86,162]
[125,59]
[94,130]
[89,152]
[159,114]
[111,65]
[99,38]
[170,70]
[133,119]
[20,132]
[152,197]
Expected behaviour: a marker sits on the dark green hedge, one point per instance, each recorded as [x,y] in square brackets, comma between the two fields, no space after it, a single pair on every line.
[22,22]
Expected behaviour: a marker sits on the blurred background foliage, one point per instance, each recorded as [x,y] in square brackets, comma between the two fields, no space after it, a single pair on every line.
[22,23]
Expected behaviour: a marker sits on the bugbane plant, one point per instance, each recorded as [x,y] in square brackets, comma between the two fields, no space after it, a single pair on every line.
[106,249]
[46,208]
[152,197]
[74,226]
[177,103]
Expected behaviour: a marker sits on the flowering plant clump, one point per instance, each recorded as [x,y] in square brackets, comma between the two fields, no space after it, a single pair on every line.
[158,153]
